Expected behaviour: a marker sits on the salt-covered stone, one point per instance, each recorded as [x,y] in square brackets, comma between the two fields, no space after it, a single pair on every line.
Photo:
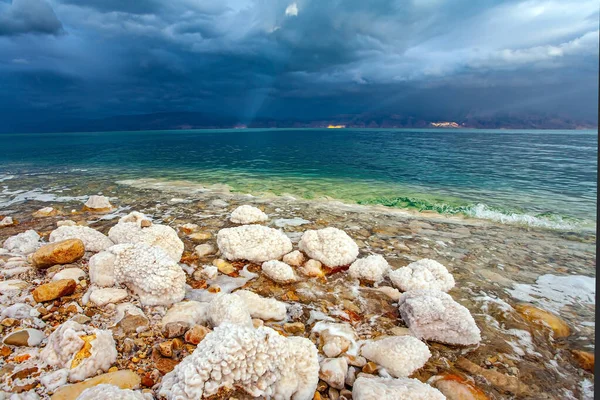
[422,274]
[105,391]
[24,337]
[93,240]
[101,297]
[372,268]
[6,221]
[259,361]
[434,315]
[399,355]
[102,268]
[228,308]
[372,388]
[336,338]
[19,311]
[207,272]
[69,273]
[24,243]
[333,371]
[332,246]
[254,243]
[130,229]
[123,379]
[66,222]
[45,212]
[295,258]
[204,249]
[54,380]
[188,312]
[390,292]
[82,349]
[278,271]
[262,307]
[312,268]
[247,215]
[98,203]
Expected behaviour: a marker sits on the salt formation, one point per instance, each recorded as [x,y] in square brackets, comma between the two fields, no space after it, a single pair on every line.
[434,315]
[295,258]
[247,215]
[93,240]
[81,349]
[262,307]
[278,271]
[332,246]
[189,312]
[112,392]
[399,355]
[422,274]
[254,243]
[368,388]
[24,243]
[136,228]
[336,338]
[96,202]
[260,361]
[228,308]
[147,271]
[372,268]
[333,371]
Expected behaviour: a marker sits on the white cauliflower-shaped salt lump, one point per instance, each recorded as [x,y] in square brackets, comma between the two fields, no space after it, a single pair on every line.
[399,355]
[72,338]
[278,271]
[229,308]
[254,243]
[422,274]
[247,215]
[372,388]
[147,271]
[434,315]
[332,246]
[136,228]
[24,243]
[372,268]
[93,240]
[259,361]
[105,391]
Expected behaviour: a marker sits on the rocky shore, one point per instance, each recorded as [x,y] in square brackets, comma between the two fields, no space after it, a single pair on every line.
[188,294]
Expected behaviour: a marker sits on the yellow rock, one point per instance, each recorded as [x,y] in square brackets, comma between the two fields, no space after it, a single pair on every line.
[455,387]
[585,359]
[544,318]
[200,236]
[223,266]
[84,352]
[124,379]
[63,252]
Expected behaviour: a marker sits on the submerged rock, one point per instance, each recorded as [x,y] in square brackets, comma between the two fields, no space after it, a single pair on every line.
[63,252]
[45,212]
[368,388]
[332,246]
[422,274]
[434,315]
[24,243]
[258,361]
[93,240]
[399,355]
[373,268]
[544,318]
[254,243]
[205,249]
[248,215]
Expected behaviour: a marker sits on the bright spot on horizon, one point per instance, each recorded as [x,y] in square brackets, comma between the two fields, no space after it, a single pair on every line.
[292,10]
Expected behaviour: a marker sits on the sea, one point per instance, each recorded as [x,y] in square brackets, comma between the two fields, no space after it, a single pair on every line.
[542,178]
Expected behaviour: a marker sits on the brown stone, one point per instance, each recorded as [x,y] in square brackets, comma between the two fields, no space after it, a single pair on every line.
[166,348]
[24,373]
[5,351]
[196,334]
[54,290]
[174,329]
[294,328]
[455,387]
[147,380]
[544,318]
[585,359]
[370,368]
[501,381]
[165,365]
[131,322]
[146,223]
[124,379]
[63,252]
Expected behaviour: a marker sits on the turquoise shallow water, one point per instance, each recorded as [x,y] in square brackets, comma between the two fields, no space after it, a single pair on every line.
[545,178]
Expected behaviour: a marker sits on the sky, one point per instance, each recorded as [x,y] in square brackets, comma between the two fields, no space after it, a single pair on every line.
[303,59]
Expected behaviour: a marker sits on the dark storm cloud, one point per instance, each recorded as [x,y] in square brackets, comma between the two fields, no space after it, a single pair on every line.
[308,58]
[28,16]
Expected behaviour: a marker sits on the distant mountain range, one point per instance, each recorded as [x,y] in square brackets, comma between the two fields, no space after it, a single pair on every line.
[199,120]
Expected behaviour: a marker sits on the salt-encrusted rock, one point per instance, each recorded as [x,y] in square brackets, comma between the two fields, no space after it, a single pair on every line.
[399,355]
[434,315]
[54,290]
[129,318]
[102,268]
[295,258]
[54,380]
[45,212]
[223,266]
[147,271]
[189,228]
[19,311]
[104,391]
[63,252]
[204,249]
[390,292]
[104,296]
[228,308]
[278,271]
[12,285]
[24,243]
[333,371]
[123,379]
[312,268]
[69,273]
[422,274]
[247,215]
[206,272]
[196,334]
[262,307]
[6,221]
[93,240]
[66,222]
[254,243]
[372,268]
[336,338]
[332,246]
[189,312]
[24,337]
[259,361]
[82,349]
[97,203]
[372,388]
[131,229]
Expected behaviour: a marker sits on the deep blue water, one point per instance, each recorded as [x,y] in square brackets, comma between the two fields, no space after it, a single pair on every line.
[543,174]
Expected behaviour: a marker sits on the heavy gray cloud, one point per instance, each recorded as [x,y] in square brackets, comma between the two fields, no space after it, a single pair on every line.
[309,58]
